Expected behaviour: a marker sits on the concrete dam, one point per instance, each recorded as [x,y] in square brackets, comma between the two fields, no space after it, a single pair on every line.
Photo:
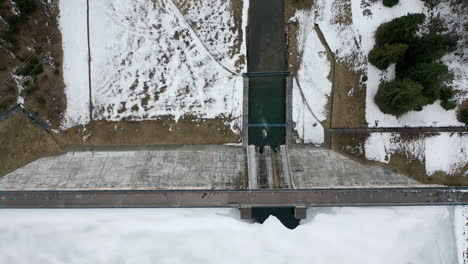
[268,171]
[213,176]
[201,168]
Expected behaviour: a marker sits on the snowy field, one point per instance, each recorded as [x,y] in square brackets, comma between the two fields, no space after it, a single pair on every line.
[349,30]
[311,86]
[331,235]
[72,25]
[431,115]
[446,152]
[149,60]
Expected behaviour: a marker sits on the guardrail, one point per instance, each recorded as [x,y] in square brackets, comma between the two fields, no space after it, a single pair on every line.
[267,125]
[234,198]
[30,115]
[401,129]
[8,113]
[266,74]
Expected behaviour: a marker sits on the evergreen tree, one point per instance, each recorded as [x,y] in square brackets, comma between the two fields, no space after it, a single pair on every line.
[399,30]
[463,117]
[25,6]
[390,3]
[400,96]
[434,77]
[382,57]
[427,49]
[446,96]
[431,3]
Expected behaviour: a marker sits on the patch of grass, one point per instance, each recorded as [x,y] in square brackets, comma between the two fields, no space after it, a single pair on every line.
[41,100]
[437,25]
[9,37]
[25,6]
[33,67]
[32,88]
[14,21]
[7,102]
[431,3]
[11,89]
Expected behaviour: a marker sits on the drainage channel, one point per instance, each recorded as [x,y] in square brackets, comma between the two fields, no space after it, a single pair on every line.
[267,107]
[266,73]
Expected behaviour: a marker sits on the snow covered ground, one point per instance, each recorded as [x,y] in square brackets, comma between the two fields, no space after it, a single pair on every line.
[446,152]
[149,60]
[72,23]
[461,233]
[431,115]
[349,28]
[311,86]
[331,235]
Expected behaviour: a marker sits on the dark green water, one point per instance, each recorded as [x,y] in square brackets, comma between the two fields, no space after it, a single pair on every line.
[266,53]
[284,214]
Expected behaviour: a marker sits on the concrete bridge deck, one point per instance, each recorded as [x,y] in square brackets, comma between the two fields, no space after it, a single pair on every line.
[236,199]
[213,176]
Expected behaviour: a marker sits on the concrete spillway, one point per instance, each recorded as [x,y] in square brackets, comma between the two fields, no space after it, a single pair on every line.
[270,168]
[201,167]
[213,176]
[161,168]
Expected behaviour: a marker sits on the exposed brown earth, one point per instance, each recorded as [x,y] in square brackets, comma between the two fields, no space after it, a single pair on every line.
[294,56]
[38,37]
[352,145]
[148,133]
[22,142]
[349,97]
[236,10]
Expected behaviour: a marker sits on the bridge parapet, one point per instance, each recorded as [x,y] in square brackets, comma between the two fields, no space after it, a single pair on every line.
[213,176]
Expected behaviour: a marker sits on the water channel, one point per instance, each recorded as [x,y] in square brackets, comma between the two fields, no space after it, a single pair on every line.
[267,53]
[267,94]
